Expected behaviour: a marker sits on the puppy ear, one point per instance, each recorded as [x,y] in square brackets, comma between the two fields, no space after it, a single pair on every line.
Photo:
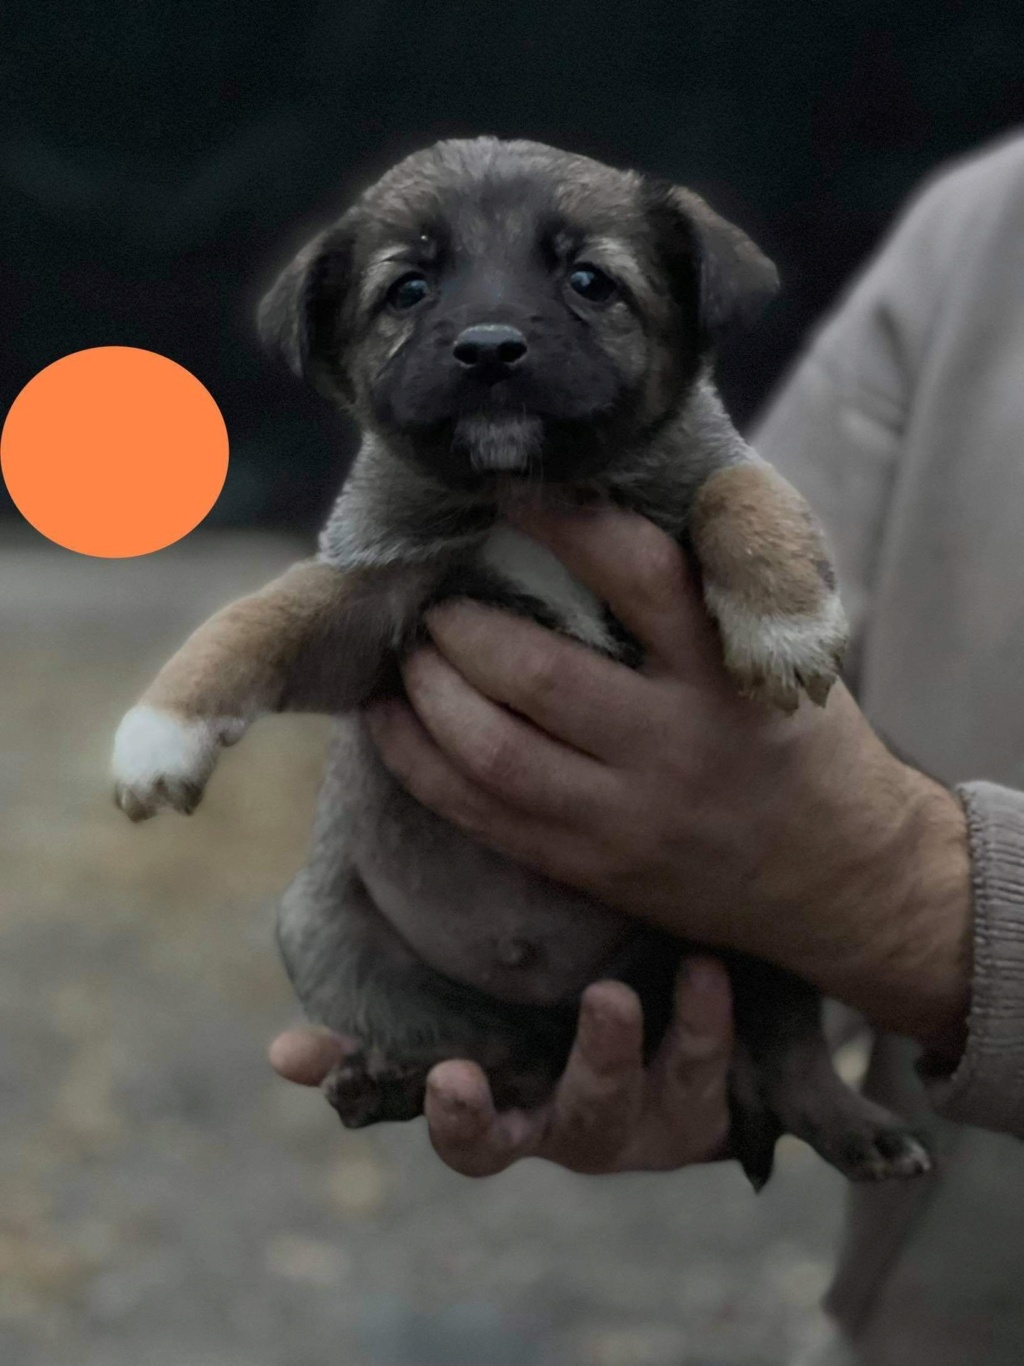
[711,263]
[301,317]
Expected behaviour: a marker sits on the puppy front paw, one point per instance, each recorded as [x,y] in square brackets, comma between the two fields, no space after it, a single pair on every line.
[769,583]
[773,655]
[165,760]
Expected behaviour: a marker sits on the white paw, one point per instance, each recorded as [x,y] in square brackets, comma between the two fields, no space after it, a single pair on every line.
[774,656]
[165,760]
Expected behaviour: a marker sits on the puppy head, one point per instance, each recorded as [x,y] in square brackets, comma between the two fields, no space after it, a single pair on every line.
[496,307]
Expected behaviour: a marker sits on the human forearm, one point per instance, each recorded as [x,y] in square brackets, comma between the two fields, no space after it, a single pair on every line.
[893,904]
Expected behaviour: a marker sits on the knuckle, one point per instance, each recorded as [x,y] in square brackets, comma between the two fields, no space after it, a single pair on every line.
[494,760]
[539,674]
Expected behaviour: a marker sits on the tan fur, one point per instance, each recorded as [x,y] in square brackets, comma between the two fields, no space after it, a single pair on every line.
[768,584]
[316,639]
[756,540]
[295,644]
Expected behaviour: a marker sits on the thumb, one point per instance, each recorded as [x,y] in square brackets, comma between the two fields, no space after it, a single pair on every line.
[306,1056]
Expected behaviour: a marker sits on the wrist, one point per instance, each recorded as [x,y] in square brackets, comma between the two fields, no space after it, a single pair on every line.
[935,948]
[905,959]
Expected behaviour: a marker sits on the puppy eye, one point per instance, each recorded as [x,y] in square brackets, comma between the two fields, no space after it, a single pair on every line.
[591,283]
[409,291]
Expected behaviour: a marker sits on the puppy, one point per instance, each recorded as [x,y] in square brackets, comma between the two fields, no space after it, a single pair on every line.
[495,314]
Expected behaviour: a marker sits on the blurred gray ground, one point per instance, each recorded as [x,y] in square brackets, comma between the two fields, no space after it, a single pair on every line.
[164,1199]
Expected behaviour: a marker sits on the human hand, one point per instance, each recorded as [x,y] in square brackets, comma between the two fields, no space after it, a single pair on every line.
[799,839]
[608,1113]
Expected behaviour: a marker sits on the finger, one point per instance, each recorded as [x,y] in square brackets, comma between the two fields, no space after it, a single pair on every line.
[410,753]
[643,576]
[305,1056]
[691,1069]
[466,1131]
[598,1098]
[500,753]
[576,695]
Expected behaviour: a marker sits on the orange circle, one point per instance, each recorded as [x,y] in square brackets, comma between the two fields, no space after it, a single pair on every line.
[114,451]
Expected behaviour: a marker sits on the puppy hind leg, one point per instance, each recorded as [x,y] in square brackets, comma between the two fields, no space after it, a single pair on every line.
[783,1081]
[754,1127]
[863,1140]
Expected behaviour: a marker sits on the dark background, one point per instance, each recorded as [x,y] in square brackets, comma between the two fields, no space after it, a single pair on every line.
[158,161]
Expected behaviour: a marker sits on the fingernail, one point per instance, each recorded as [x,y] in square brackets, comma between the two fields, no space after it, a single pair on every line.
[608,1027]
[450,1101]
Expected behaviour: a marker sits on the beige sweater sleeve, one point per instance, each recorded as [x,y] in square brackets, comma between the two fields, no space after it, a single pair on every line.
[987,1088]
[836,430]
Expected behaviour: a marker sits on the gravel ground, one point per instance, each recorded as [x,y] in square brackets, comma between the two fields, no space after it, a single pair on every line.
[164,1199]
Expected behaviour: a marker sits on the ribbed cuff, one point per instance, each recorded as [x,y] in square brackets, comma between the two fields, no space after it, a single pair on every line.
[987,1087]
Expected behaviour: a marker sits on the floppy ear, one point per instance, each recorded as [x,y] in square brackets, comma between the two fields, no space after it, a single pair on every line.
[301,317]
[711,262]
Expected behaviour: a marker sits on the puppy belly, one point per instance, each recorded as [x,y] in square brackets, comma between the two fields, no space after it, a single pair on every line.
[353,973]
[465,911]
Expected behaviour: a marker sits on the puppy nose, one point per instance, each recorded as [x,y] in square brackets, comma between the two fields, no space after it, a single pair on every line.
[489,344]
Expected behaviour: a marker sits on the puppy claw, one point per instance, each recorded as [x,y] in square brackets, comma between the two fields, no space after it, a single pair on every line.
[774,692]
[817,687]
[774,657]
[179,794]
[134,809]
[892,1155]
